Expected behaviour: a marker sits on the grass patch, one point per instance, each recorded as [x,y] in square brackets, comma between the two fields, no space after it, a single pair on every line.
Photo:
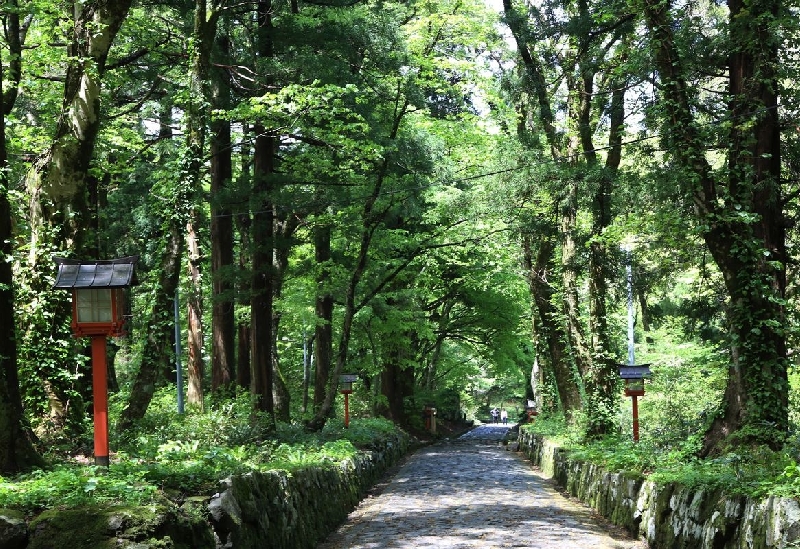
[755,471]
[174,456]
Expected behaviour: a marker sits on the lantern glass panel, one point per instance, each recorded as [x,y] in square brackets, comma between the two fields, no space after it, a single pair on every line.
[94,305]
[635,384]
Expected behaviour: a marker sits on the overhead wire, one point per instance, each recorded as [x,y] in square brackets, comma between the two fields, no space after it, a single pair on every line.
[522,166]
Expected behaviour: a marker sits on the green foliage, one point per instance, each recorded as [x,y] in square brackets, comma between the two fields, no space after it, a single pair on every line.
[74,486]
[756,471]
[173,456]
[227,422]
[686,388]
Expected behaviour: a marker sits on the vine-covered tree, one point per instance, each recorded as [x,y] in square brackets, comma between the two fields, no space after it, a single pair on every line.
[738,209]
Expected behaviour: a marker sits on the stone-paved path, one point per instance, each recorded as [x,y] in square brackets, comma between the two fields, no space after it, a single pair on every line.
[471,492]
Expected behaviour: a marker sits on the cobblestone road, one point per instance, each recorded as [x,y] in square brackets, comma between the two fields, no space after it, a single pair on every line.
[471,492]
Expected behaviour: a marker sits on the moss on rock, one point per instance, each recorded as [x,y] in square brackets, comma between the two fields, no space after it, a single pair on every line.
[152,526]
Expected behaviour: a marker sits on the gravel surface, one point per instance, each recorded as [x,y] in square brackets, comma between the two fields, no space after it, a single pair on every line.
[473,492]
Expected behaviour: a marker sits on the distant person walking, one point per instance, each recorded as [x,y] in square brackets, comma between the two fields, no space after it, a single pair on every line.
[495,415]
[504,416]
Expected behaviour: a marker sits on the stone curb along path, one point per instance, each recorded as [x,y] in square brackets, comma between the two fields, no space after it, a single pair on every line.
[473,492]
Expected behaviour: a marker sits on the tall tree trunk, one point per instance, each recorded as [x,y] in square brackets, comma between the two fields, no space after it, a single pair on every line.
[602,380]
[556,333]
[751,255]
[262,239]
[223,324]
[557,362]
[323,331]
[205,25]
[57,183]
[261,304]
[58,186]
[569,275]
[16,449]
[158,348]
[194,319]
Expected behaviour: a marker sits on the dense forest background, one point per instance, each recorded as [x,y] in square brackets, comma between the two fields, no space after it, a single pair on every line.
[441,197]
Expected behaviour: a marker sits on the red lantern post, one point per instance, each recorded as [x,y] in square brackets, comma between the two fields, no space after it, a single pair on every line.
[346,388]
[634,377]
[98,311]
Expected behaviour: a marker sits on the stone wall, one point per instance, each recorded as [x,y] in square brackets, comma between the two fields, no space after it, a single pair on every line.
[274,509]
[670,516]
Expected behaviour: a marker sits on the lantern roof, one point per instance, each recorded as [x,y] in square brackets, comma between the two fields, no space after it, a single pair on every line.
[109,273]
[639,371]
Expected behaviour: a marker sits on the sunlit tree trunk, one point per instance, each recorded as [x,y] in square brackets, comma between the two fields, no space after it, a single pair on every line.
[194,319]
[57,184]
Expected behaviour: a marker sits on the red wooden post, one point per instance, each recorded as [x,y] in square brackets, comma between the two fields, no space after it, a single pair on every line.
[635,418]
[100,389]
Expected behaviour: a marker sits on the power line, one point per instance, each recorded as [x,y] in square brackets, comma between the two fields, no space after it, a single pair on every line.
[358,199]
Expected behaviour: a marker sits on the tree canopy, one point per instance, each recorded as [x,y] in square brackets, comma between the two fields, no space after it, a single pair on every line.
[438,197]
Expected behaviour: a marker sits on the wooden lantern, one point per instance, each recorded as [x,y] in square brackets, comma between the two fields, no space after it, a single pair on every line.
[98,293]
[346,387]
[98,311]
[634,377]
[346,383]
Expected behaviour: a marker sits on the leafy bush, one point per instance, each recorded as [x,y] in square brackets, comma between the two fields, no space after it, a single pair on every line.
[172,455]
[684,393]
[72,485]
[756,471]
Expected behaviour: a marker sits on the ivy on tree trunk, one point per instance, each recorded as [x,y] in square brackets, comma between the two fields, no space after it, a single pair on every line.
[740,213]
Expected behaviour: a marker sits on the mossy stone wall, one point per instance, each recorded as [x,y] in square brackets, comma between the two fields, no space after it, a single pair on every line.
[294,511]
[670,515]
[274,509]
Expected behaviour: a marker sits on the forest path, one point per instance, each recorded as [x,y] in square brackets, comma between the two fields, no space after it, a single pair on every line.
[473,492]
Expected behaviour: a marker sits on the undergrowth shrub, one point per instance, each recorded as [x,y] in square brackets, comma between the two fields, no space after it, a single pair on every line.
[171,455]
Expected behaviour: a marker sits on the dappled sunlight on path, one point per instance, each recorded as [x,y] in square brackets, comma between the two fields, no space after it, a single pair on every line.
[473,492]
